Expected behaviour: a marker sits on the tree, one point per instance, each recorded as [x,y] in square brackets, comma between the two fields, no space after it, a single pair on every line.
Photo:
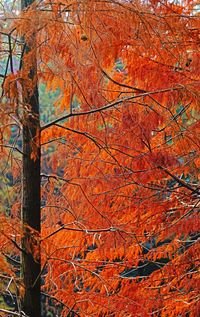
[119,186]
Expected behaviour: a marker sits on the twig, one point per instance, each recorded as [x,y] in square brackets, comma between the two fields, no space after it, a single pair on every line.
[10,312]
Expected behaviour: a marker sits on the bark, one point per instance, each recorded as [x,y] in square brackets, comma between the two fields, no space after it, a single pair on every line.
[30,259]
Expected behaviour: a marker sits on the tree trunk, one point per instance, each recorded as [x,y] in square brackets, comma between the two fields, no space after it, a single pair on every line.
[30,259]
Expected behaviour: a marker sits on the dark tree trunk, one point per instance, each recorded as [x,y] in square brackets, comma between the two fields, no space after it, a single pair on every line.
[30,259]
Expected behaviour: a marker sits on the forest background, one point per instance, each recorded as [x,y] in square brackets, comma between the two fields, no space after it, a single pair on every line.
[99,158]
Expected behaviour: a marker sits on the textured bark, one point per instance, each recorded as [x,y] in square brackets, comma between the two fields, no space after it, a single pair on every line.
[31,220]
[30,260]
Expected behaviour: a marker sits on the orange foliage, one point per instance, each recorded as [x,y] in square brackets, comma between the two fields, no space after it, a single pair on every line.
[120,221]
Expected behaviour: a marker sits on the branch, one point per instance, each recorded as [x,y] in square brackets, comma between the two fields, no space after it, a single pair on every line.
[13,241]
[5,75]
[60,302]
[107,106]
[179,180]
[12,313]
[87,231]
[53,140]
[10,55]
[55,177]
[12,147]
[85,134]
[9,258]
[18,247]
[121,84]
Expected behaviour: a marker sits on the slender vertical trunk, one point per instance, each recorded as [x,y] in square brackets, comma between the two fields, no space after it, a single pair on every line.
[31,266]
[31,217]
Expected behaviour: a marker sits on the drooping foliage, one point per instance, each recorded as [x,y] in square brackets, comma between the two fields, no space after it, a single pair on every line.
[120,154]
